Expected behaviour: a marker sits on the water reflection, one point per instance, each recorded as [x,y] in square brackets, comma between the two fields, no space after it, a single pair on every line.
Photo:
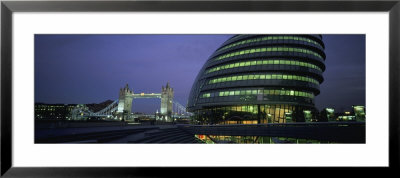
[213,139]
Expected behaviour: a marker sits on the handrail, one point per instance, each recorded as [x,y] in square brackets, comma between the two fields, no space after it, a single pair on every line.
[278,124]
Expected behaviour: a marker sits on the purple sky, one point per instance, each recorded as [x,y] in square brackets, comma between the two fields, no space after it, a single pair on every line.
[91,68]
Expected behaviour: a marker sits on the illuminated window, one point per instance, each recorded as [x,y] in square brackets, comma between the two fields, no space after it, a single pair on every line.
[274,62]
[248,92]
[254,92]
[263,77]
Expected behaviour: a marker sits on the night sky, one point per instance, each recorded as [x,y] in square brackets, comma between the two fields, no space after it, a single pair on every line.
[80,69]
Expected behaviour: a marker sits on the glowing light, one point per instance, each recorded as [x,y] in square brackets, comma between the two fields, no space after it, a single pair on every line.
[330,109]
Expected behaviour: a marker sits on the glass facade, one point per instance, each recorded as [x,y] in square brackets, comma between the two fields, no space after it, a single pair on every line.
[264,62]
[256,79]
[269,49]
[271,38]
[263,77]
[251,114]
[258,93]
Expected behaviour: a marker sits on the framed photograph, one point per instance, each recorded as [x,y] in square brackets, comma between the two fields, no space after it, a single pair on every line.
[103,88]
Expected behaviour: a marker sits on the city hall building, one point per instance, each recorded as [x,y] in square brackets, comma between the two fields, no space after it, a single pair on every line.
[253,79]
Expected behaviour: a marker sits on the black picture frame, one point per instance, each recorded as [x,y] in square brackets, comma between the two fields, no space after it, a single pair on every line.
[8,7]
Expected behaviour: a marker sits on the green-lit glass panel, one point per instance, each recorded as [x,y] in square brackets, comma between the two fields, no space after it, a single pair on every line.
[264,62]
[263,77]
[248,92]
[254,92]
[282,92]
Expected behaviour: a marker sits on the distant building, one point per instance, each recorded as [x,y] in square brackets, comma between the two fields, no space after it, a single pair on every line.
[359,113]
[327,114]
[53,111]
[345,116]
[67,111]
[356,114]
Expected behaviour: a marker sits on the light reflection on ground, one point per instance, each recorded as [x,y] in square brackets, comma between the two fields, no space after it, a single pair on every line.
[212,139]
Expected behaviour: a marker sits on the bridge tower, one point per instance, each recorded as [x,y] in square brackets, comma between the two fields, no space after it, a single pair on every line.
[125,103]
[167,95]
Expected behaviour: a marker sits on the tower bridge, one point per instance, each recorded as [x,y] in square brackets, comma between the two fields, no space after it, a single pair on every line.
[121,109]
[126,96]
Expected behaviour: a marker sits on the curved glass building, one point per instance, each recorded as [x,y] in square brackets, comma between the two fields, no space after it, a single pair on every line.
[254,79]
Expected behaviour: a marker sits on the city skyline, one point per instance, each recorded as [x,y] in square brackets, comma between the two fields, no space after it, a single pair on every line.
[80,69]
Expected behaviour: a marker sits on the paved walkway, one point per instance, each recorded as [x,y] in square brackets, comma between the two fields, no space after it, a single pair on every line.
[51,132]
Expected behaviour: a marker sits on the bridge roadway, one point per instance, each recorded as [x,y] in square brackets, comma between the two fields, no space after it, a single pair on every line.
[339,132]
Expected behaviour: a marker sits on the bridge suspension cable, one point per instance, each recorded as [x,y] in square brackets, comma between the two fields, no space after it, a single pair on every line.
[108,110]
[180,109]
